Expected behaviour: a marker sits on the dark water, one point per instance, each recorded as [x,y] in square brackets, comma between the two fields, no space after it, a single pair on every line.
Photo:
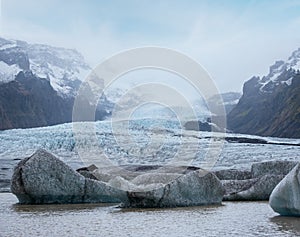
[230,219]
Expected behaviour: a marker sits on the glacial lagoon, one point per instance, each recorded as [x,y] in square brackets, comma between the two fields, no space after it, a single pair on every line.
[228,219]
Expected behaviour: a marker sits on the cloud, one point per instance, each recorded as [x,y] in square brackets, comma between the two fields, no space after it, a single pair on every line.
[232,40]
[234,46]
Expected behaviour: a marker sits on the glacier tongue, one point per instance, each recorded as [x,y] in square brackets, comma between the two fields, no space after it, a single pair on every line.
[140,146]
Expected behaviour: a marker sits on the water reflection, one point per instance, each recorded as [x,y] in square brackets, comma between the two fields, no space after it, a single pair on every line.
[287,224]
[205,209]
[61,208]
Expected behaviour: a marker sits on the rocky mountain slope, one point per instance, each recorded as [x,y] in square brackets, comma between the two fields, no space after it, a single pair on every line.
[38,84]
[270,106]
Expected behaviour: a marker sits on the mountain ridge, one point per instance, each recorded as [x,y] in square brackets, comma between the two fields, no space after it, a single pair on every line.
[64,68]
[39,83]
[270,106]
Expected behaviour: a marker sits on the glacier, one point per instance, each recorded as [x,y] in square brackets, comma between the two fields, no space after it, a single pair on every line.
[141,141]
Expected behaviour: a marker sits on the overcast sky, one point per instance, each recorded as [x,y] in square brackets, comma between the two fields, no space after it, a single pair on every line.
[232,40]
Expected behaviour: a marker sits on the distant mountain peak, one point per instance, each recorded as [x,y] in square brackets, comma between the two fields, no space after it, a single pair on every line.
[281,72]
[270,106]
[295,54]
[64,68]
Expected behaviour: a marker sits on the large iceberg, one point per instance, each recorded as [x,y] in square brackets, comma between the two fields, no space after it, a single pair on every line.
[161,186]
[285,198]
[43,178]
[195,188]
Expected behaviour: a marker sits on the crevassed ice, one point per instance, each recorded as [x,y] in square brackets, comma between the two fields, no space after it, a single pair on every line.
[147,146]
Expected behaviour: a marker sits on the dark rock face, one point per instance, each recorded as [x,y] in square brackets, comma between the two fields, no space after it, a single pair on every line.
[30,102]
[16,56]
[274,112]
[27,98]
[43,178]
[270,106]
[285,198]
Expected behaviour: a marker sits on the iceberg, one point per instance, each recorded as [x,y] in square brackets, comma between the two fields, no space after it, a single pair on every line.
[285,198]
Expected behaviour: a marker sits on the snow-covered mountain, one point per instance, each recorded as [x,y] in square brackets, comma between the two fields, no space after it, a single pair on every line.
[270,106]
[281,72]
[63,68]
[38,84]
